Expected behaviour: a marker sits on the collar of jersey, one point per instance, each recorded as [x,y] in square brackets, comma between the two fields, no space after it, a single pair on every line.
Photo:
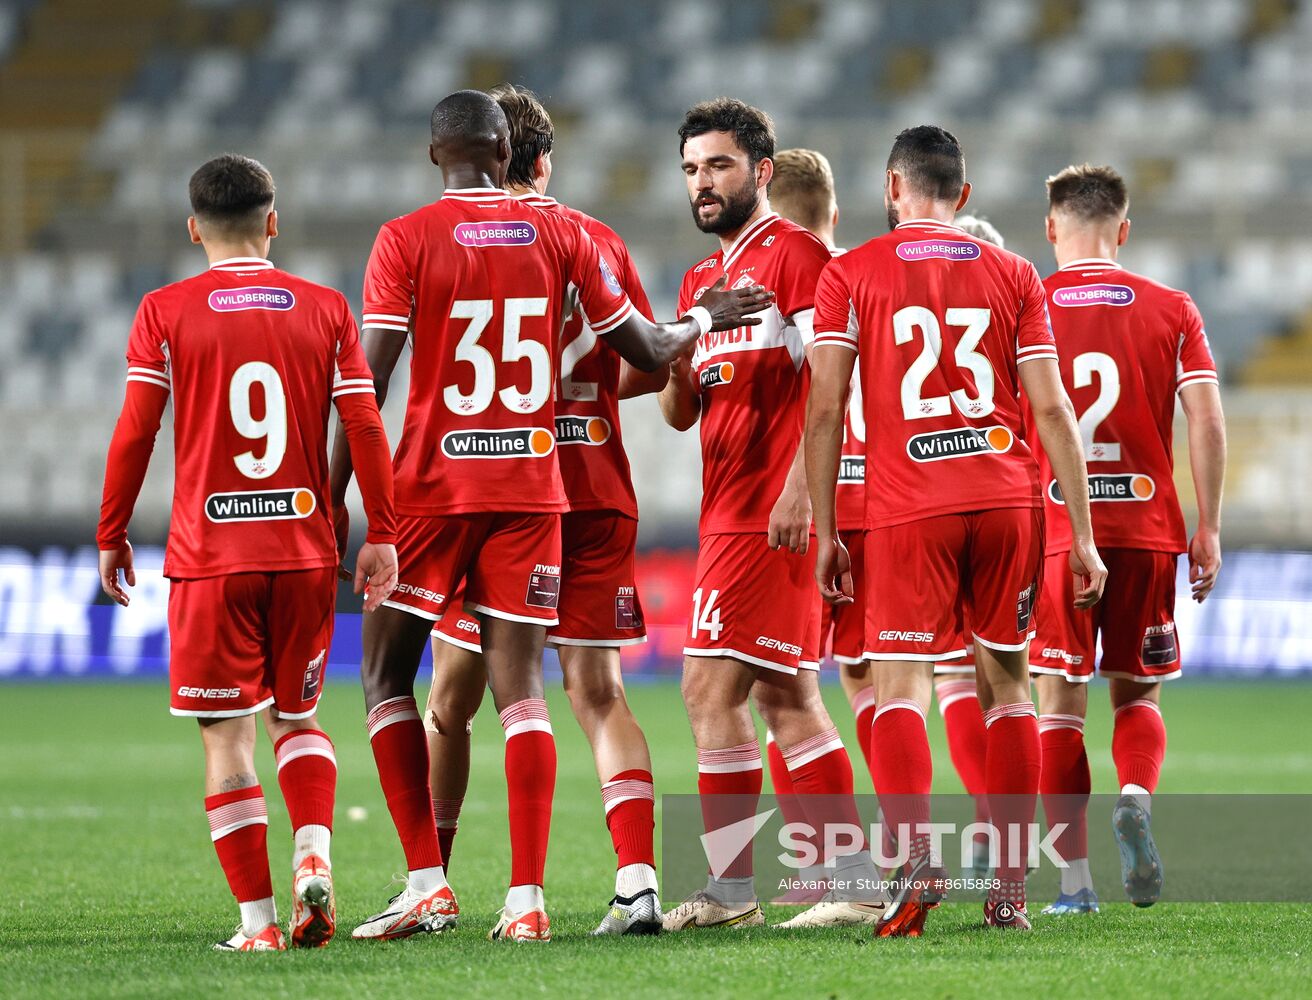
[746,237]
[536,200]
[242,264]
[474,194]
[1085,263]
[928,224]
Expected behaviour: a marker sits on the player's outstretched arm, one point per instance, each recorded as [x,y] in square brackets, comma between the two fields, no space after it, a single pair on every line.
[1055,418]
[1207,458]
[375,565]
[125,471]
[382,348]
[647,345]
[831,378]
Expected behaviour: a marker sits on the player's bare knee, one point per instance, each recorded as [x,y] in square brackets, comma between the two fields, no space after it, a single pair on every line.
[1124,691]
[1058,696]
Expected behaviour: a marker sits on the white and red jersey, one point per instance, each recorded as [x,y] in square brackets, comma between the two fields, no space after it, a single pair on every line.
[483,281]
[941,321]
[753,379]
[593,463]
[253,357]
[1127,345]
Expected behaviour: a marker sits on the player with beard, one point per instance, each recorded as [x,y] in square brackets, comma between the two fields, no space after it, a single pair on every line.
[755,622]
[599,605]
[947,329]
[478,283]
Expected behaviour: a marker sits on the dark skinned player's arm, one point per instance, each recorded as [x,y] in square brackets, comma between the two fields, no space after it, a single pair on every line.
[382,348]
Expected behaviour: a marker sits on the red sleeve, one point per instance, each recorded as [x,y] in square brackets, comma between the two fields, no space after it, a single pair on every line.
[129,456]
[807,258]
[835,315]
[388,283]
[148,348]
[353,395]
[1034,339]
[1194,362]
[601,297]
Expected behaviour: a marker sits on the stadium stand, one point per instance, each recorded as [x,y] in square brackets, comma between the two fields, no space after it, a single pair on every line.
[1207,117]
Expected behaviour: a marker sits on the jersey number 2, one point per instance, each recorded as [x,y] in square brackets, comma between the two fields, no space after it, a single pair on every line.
[1109,391]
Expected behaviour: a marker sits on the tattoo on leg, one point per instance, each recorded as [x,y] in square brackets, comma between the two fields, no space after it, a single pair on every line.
[236,782]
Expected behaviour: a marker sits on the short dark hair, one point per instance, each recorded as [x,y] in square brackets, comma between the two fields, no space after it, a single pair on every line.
[752,128]
[1088,192]
[931,160]
[231,192]
[531,130]
[467,116]
[802,188]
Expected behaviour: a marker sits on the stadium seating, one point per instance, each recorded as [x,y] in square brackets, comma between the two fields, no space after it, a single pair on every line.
[1206,115]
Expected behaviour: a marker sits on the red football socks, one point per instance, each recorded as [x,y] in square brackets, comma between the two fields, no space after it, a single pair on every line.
[239,826]
[1139,743]
[903,772]
[729,783]
[1065,782]
[530,787]
[401,753]
[1011,773]
[630,803]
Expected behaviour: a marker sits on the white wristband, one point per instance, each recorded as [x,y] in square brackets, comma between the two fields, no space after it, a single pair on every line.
[701,316]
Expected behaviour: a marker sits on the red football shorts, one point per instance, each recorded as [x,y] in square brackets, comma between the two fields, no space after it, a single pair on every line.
[755,604]
[599,603]
[926,579]
[842,628]
[510,564]
[1135,619]
[244,641]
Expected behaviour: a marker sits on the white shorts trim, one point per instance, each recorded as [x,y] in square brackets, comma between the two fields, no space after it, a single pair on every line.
[601,643]
[473,647]
[227,713]
[1059,672]
[733,654]
[808,665]
[1004,647]
[296,715]
[849,661]
[916,657]
[1157,679]
[414,611]
[509,617]
[947,671]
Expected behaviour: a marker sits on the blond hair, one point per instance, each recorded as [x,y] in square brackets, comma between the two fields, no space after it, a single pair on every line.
[802,188]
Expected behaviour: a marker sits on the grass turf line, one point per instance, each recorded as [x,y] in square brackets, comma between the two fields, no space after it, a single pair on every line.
[109,885]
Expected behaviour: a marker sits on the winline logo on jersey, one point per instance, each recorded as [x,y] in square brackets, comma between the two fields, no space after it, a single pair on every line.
[721,374]
[959,442]
[1120,487]
[510,442]
[852,469]
[572,429]
[261,505]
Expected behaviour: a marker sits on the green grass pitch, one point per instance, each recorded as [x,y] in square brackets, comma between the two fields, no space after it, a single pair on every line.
[109,886]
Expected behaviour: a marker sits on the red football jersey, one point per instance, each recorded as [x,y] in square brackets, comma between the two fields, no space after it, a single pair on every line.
[941,321]
[483,282]
[593,463]
[753,379]
[1127,345]
[850,494]
[251,355]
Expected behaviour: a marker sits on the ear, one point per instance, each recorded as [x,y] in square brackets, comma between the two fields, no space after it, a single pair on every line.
[764,172]
[271,224]
[833,221]
[193,230]
[542,165]
[1123,233]
[892,185]
[432,155]
[1050,229]
[965,196]
[503,149]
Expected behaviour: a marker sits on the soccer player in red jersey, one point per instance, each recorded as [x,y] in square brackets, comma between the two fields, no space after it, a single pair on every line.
[1128,347]
[599,607]
[253,358]
[755,625]
[479,282]
[947,330]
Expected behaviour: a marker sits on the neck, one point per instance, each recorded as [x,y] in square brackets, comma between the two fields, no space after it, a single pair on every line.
[825,234]
[923,208]
[236,248]
[727,239]
[1085,246]
[519,190]
[468,175]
